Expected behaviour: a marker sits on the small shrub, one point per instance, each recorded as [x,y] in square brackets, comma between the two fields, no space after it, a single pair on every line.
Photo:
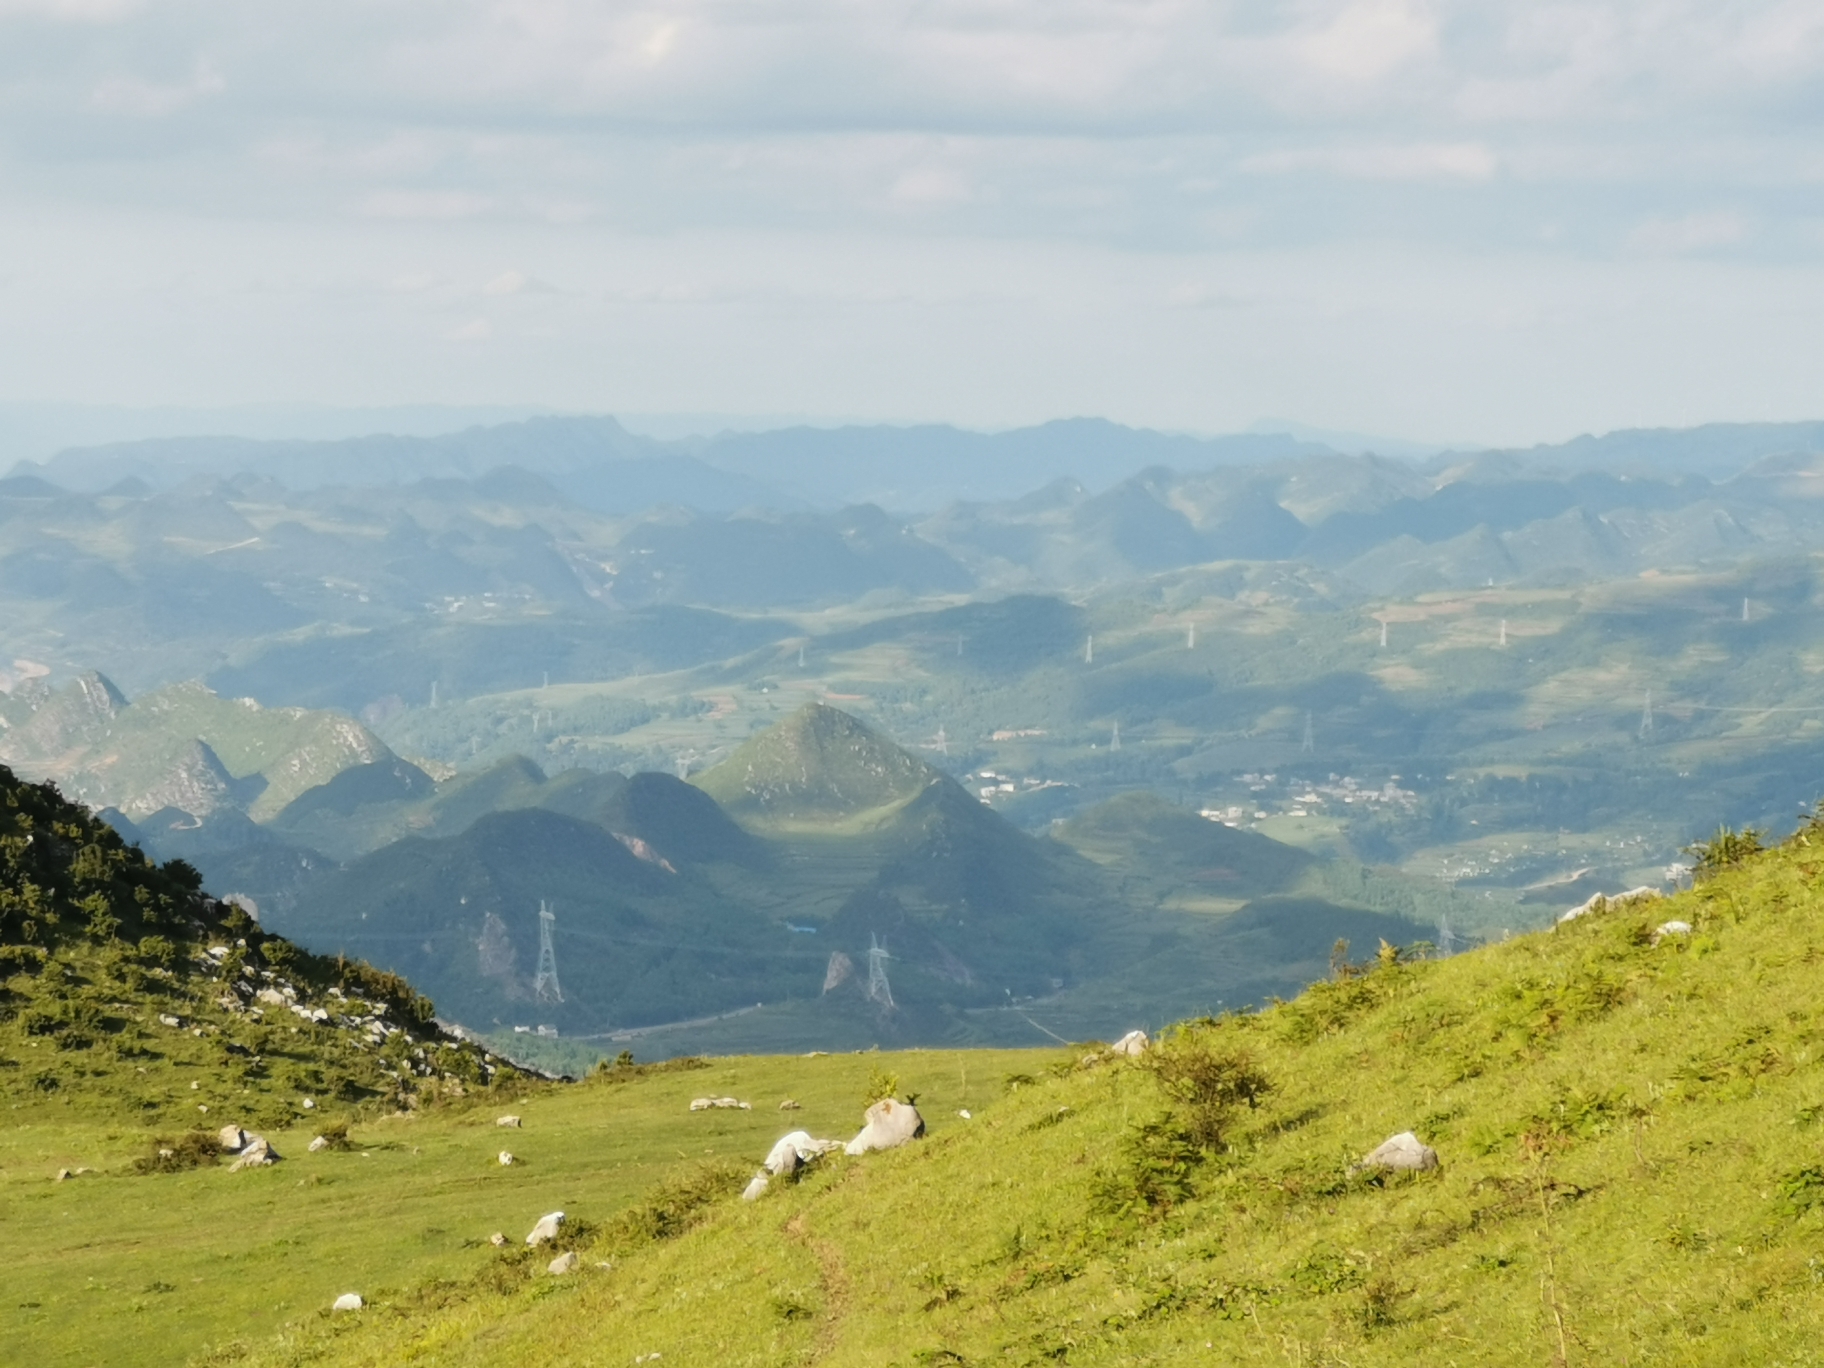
[881,1084]
[336,1133]
[1205,1081]
[1724,850]
[1157,1170]
[197,1149]
[1382,1298]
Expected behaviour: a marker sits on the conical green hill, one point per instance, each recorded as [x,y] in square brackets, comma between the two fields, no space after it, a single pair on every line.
[818,766]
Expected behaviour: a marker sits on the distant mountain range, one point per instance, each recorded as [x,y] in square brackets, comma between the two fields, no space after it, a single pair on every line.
[768,880]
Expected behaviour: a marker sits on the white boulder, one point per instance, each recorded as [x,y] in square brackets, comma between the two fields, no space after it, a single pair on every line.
[1671,928]
[1401,1153]
[791,1152]
[756,1187]
[506,1159]
[256,1153]
[546,1229]
[512,1121]
[232,1138]
[712,1103]
[1132,1044]
[348,1301]
[889,1124]
[1607,900]
[319,1144]
[563,1263]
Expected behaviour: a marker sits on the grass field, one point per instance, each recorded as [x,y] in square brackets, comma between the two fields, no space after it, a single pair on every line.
[126,1268]
[1631,1129]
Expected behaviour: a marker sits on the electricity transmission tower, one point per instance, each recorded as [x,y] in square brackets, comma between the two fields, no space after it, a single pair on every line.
[1089,649]
[1504,631]
[1190,637]
[1114,740]
[544,985]
[878,990]
[1310,742]
[1447,939]
[1383,634]
[1646,716]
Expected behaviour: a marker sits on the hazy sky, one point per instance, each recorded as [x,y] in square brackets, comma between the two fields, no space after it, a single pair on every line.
[1503,221]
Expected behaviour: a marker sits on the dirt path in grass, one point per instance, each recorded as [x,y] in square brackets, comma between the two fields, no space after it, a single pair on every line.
[833,1278]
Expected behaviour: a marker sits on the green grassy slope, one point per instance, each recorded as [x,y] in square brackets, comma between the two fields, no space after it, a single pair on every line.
[817,767]
[1632,1139]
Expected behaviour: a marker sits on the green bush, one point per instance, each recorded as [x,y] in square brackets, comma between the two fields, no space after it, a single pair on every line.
[197,1149]
[1157,1170]
[1205,1081]
[1724,850]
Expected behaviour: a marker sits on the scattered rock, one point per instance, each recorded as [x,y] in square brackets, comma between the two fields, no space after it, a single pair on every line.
[791,1152]
[889,1124]
[755,1189]
[310,1104]
[348,1301]
[1599,902]
[506,1159]
[563,1263]
[546,1229]
[256,1153]
[512,1121]
[1401,1153]
[1132,1044]
[171,1020]
[63,1175]
[319,1144]
[789,1105]
[1671,928]
[964,1113]
[498,1239]
[711,1103]
[233,1139]
[272,997]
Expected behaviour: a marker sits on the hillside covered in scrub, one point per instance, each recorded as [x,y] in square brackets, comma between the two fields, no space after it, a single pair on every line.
[1629,1113]
[123,987]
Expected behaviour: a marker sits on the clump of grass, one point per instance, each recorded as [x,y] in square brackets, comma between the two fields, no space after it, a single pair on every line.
[196,1149]
[677,1204]
[336,1134]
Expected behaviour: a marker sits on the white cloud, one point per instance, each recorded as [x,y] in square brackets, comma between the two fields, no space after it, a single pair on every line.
[1369,38]
[149,100]
[1430,161]
[743,155]
[1690,233]
[931,185]
[70,11]
[475,330]
[425,204]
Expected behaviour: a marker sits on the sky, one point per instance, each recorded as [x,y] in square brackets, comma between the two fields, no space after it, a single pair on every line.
[1501,222]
